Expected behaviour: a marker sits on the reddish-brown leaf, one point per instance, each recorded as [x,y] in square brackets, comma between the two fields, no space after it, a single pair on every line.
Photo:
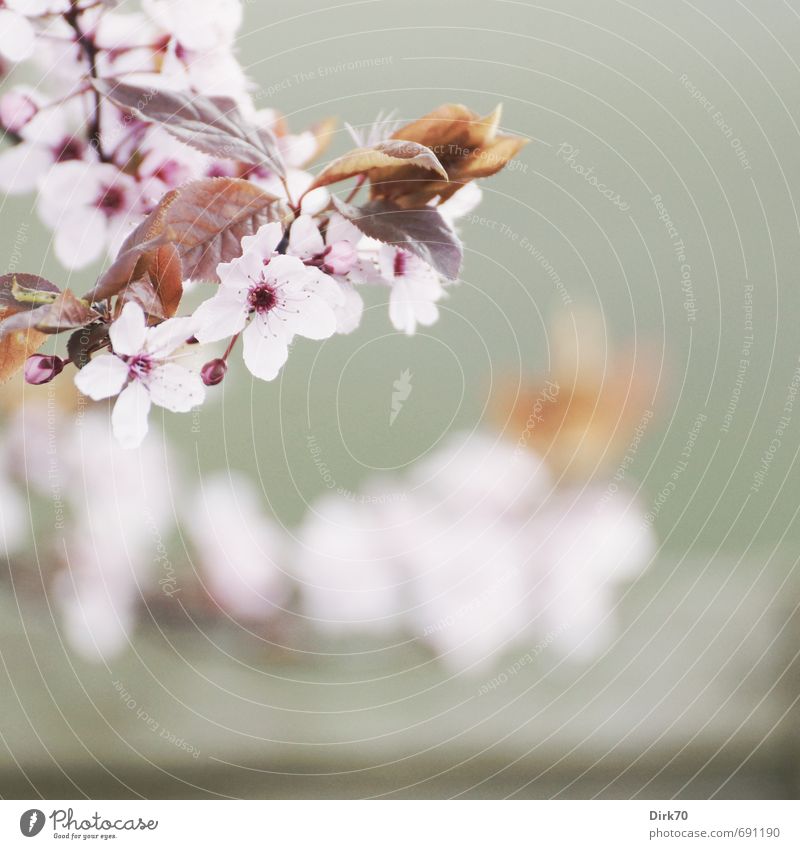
[205,221]
[64,313]
[386,156]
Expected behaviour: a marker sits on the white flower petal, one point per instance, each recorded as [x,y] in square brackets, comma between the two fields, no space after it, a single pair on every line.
[305,240]
[175,388]
[22,166]
[169,335]
[127,333]
[316,319]
[348,314]
[264,353]
[102,377]
[220,316]
[17,36]
[129,418]
[80,238]
[264,241]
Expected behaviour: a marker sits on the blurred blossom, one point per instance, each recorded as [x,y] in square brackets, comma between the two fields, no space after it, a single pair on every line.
[480,552]
[239,549]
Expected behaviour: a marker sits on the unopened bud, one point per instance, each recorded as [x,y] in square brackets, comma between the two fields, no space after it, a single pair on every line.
[213,372]
[40,368]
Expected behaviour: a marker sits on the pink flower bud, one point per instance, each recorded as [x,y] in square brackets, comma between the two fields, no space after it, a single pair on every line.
[213,372]
[339,258]
[40,368]
[16,109]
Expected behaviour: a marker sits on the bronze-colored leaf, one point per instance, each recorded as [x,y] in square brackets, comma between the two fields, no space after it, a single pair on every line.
[384,159]
[166,275]
[13,288]
[15,348]
[143,293]
[212,125]
[467,146]
[204,220]
[85,341]
[421,231]
[64,313]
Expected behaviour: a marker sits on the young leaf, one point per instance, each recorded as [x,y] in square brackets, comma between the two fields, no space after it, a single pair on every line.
[19,292]
[421,231]
[386,156]
[166,275]
[64,313]
[205,221]
[212,125]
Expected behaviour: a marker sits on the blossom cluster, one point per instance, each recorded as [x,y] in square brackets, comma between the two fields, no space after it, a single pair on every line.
[149,147]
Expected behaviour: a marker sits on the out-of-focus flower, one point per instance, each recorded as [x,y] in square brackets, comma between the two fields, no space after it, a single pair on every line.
[46,139]
[142,369]
[91,206]
[473,553]
[17,35]
[17,107]
[239,549]
[113,534]
[273,297]
[197,24]
[415,288]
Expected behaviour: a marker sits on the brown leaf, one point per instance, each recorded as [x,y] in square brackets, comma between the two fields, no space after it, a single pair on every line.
[205,221]
[467,146]
[421,231]
[212,125]
[15,348]
[84,342]
[166,275]
[384,158]
[64,313]
[10,286]
[143,293]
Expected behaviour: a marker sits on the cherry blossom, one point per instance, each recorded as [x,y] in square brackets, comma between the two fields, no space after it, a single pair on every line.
[142,370]
[91,206]
[272,297]
[415,289]
[336,255]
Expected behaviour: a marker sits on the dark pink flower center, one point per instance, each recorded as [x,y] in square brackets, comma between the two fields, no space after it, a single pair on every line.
[139,366]
[68,149]
[110,200]
[400,263]
[262,298]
